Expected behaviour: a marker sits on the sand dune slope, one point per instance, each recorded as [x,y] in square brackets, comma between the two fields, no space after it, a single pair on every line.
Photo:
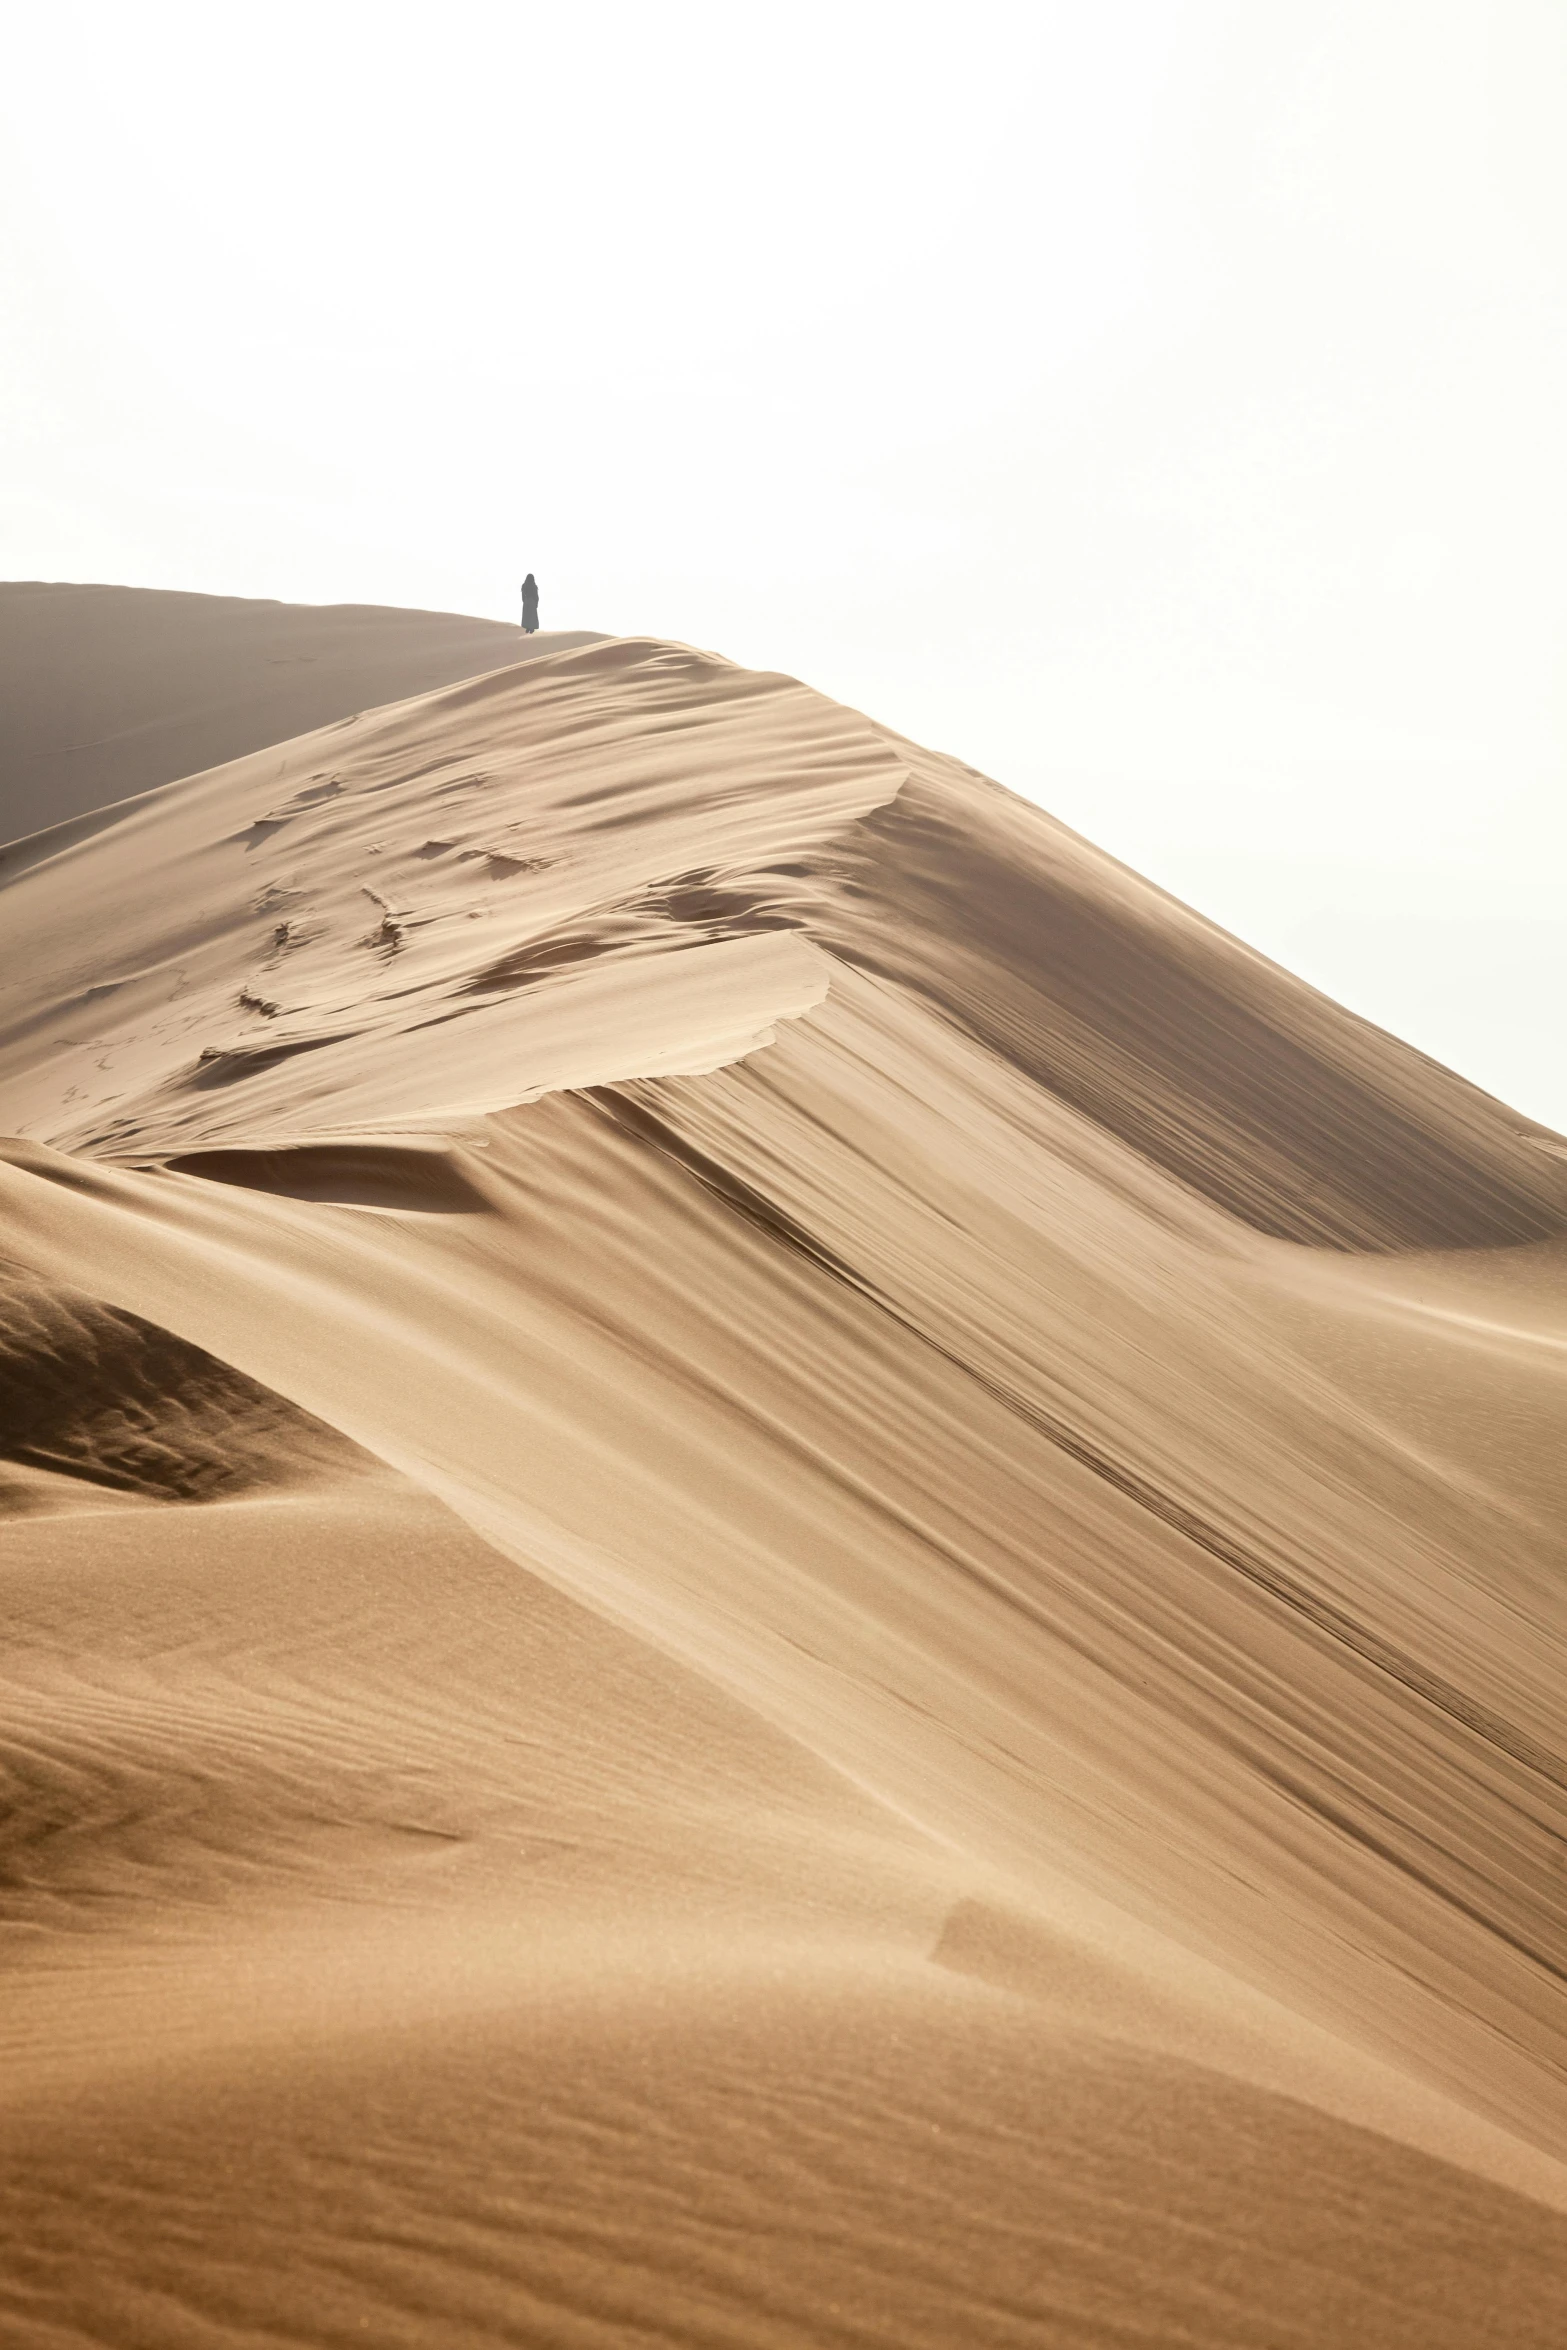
[106,691]
[396,1949]
[881,1657]
[115,1405]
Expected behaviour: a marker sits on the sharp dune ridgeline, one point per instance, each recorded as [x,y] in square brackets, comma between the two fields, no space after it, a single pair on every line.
[779,1569]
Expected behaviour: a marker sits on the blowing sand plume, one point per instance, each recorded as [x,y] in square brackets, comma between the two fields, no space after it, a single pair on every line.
[780,1570]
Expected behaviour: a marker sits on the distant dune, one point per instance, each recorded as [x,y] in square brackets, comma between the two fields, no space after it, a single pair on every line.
[107,691]
[780,1569]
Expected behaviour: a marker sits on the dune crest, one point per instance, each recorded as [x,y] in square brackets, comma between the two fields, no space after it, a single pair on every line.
[1039,1430]
[442,909]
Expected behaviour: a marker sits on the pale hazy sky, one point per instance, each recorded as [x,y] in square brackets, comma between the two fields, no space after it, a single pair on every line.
[1161,405]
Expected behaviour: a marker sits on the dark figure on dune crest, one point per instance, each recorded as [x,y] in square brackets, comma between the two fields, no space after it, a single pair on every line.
[530,605]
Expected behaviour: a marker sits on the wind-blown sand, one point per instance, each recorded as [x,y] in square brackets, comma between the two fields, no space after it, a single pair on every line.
[781,1570]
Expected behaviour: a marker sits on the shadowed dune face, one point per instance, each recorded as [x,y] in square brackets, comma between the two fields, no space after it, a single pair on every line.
[1204,1058]
[985,1761]
[91,1393]
[109,691]
[413,1177]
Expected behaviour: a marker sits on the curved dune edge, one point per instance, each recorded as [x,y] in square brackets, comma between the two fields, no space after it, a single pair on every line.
[1007,1383]
[581,869]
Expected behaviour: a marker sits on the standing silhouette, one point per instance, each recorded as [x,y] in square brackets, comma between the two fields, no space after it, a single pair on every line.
[530,605]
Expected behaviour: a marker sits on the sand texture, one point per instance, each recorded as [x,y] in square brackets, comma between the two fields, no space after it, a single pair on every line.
[778,1570]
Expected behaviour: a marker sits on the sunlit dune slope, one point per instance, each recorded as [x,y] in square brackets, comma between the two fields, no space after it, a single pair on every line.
[1059,1423]
[106,691]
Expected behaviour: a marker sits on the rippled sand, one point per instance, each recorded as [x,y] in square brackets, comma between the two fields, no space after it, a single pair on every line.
[778,1569]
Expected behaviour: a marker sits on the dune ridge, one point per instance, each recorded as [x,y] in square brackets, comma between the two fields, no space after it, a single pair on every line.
[1038,1431]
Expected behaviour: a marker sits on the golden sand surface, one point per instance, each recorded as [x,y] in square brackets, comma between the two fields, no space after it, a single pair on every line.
[778,1569]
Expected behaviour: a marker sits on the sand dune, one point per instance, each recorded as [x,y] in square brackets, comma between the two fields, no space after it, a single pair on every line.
[108,691]
[781,1569]
[115,1404]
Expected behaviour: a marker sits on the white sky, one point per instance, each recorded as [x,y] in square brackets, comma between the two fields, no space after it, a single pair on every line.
[1160,403]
